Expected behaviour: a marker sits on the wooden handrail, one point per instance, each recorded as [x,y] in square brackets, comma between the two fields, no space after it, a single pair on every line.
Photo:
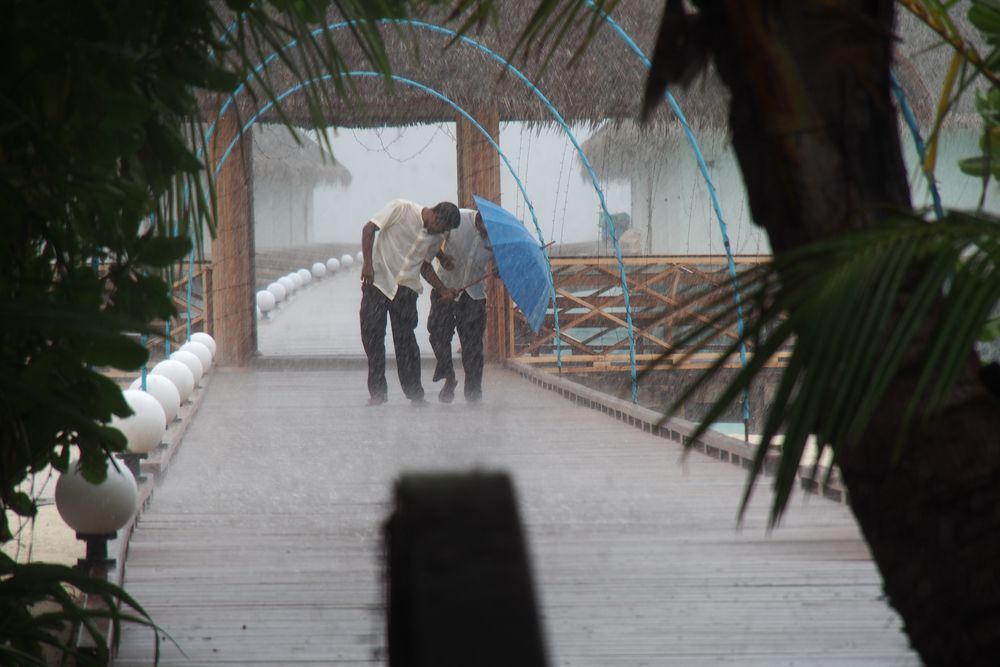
[667,294]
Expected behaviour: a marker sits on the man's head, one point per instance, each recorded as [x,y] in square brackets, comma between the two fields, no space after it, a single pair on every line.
[442,218]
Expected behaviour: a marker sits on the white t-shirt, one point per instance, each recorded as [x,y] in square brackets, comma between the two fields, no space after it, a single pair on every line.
[471,253]
[401,247]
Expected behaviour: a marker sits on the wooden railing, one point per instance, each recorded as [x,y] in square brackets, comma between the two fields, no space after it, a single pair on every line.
[668,296]
[201,304]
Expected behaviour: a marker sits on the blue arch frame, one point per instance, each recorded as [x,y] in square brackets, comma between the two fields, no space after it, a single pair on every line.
[675,107]
[703,168]
[691,139]
[556,116]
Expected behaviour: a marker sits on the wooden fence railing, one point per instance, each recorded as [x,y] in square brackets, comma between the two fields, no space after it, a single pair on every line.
[201,304]
[668,296]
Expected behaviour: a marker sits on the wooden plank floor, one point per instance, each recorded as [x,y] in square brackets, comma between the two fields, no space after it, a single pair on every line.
[262,545]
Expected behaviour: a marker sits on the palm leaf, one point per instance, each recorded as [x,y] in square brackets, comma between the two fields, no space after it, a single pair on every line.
[23,631]
[855,310]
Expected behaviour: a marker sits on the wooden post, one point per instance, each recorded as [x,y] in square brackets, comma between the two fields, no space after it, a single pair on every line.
[233,309]
[479,174]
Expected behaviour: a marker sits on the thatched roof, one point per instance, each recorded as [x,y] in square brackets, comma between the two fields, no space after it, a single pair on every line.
[607,82]
[277,157]
[617,146]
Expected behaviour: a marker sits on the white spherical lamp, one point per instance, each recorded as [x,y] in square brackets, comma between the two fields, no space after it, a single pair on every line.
[265,301]
[296,279]
[97,511]
[305,275]
[318,270]
[178,373]
[164,391]
[145,428]
[200,351]
[347,261]
[332,264]
[360,257]
[206,340]
[192,362]
[288,284]
[278,290]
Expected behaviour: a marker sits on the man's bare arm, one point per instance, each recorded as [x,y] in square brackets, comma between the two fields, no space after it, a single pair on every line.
[431,276]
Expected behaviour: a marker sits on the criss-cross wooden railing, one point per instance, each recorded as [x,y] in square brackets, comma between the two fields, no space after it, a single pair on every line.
[668,296]
[201,299]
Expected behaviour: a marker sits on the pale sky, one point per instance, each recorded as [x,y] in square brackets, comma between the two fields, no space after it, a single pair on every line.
[418,163]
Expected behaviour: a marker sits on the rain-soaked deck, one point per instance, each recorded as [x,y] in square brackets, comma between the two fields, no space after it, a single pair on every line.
[262,545]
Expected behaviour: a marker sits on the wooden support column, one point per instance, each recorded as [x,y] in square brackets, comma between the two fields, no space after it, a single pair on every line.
[479,174]
[233,323]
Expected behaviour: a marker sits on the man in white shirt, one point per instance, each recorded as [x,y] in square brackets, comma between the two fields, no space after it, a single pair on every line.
[463,309]
[397,245]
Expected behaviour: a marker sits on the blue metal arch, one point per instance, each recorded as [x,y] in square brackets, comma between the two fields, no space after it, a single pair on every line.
[918,142]
[907,114]
[689,133]
[556,116]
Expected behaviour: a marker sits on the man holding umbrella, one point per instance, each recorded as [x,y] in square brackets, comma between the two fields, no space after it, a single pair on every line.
[397,245]
[463,270]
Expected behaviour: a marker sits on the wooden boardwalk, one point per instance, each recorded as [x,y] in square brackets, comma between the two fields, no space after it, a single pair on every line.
[322,320]
[261,547]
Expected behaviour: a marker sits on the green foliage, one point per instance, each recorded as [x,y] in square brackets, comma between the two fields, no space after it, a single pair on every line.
[985,166]
[91,151]
[968,68]
[37,610]
[858,309]
[991,331]
[102,192]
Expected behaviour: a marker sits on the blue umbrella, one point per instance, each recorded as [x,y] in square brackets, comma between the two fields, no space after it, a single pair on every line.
[519,260]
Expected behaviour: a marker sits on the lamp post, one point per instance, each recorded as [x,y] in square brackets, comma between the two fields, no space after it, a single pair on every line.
[192,362]
[206,340]
[201,351]
[143,429]
[179,374]
[96,511]
[275,288]
[163,390]
[265,301]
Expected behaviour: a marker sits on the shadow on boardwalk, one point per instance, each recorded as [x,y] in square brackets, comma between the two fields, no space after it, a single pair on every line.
[262,545]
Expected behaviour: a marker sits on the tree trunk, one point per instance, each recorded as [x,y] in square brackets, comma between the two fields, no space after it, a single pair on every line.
[816,135]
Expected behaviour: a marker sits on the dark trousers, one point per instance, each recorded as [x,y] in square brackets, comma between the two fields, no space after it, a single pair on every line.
[468,317]
[402,313]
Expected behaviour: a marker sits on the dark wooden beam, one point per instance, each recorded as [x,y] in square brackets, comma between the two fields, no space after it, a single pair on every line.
[233,322]
[479,174]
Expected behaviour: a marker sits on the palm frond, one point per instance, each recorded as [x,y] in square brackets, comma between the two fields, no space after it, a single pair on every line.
[24,629]
[856,310]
